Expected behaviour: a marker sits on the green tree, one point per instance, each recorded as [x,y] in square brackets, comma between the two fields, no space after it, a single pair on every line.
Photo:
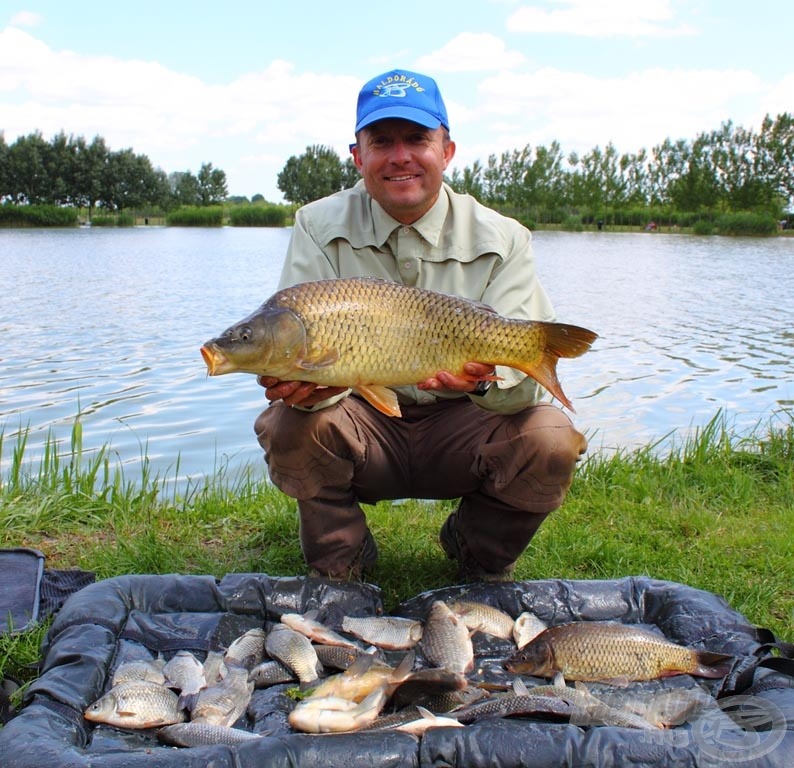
[776,155]
[129,181]
[316,173]
[184,188]
[212,188]
[350,174]
[89,172]
[4,190]
[469,181]
[28,178]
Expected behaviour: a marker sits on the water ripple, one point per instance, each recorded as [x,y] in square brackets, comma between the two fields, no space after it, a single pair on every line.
[107,325]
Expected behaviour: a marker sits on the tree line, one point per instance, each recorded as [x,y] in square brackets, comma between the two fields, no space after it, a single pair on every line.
[730,169]
[726,170]
[69,171]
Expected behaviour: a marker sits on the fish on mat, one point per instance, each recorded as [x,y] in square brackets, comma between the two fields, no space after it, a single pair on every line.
[607,650]
[446,641]
[372,334]
[136,704]
[203,734]
[389,632]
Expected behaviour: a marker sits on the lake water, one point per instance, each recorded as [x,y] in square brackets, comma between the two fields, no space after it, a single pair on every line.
[107,324]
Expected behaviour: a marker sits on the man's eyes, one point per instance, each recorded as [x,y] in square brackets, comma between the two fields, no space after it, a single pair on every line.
[387,141]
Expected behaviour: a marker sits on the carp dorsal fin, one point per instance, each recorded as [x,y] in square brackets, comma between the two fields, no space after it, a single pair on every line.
[380,397]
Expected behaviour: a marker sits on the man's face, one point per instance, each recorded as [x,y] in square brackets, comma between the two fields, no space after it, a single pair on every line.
[403,164]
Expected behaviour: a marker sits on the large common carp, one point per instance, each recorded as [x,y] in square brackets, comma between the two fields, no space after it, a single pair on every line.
[606,650]
[372,334]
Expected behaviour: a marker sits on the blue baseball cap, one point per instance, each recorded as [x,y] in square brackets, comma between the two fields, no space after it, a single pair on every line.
[404,95]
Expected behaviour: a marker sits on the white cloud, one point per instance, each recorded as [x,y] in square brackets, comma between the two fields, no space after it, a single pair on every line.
[581,111]
[471,52]
[26,19]
[600,18]
[173,118]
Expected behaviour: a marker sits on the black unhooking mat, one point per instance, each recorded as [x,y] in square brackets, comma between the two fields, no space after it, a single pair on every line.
[119,619]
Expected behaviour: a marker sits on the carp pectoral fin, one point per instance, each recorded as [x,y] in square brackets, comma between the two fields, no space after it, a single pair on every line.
[382,398]
[323,360]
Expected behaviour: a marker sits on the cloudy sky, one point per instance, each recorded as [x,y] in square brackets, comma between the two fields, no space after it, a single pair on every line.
[245,85]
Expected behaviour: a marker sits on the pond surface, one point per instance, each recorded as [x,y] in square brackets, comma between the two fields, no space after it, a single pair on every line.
[107,324]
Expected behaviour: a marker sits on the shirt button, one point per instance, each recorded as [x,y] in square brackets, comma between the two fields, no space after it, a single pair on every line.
[407,265]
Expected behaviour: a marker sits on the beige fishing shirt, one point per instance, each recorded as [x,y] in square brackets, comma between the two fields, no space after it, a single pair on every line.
[458,247]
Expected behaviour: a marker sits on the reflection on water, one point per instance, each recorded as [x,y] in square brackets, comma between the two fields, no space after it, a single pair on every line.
[108,324]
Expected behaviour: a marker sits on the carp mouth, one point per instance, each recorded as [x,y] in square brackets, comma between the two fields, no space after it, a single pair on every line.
[217,363]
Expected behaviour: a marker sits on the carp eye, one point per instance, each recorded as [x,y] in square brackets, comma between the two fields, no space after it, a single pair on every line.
[245,333]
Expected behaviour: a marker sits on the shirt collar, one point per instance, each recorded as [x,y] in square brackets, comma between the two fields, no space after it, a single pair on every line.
[430,226]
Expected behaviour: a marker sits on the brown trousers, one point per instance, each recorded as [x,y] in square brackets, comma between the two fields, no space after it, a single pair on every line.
[509,471]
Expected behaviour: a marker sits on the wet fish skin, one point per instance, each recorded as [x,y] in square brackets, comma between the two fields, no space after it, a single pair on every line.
[214,667]
[388,632]
[587,708]
[332,714]
[426,720]
[185,672]
[599,651]
[364,676]
[195,734]
[140,669]
[372,334]
[308,625]
[335,656]
[136,704]
[295,651]
[513,705]
[226,701]
[527,627]
[481,617]
[247,650]
[446,641]
[270,672]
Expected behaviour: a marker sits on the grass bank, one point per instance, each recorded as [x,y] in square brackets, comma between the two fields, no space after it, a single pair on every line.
[714,513]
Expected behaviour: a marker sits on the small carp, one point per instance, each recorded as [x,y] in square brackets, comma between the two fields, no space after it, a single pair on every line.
[605,650]
[390,632]
[295,651]
[331,714]
[247,650]
[214,667]
[446,641]
[374,334]
[185,672]
[527,627]
[426,720]
[587,708]
[365,675]
[224,702]
[480,617]
[308,625]
[141,669]
[335,656]
[514,705]
[269,673]
[136,704]
[203,734]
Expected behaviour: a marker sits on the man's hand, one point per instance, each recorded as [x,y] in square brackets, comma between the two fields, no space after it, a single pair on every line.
[301,393]
[475,372]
